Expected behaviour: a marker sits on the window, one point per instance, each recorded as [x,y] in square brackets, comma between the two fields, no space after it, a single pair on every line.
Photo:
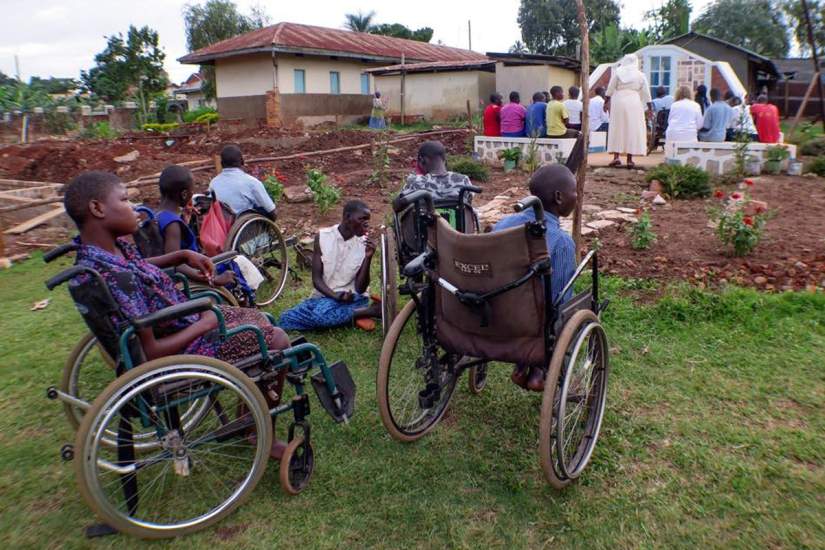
[659,73]
[365,83]
[300,81]
[334,82]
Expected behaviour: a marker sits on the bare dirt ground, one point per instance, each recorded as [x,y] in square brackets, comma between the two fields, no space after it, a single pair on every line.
[791,255]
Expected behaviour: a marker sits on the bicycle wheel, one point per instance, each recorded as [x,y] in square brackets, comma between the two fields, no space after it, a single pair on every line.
[195,476]
[260,240]
[389,280]
[574,397]
[404,374]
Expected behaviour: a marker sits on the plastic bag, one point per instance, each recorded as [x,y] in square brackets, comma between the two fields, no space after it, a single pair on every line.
[214,230]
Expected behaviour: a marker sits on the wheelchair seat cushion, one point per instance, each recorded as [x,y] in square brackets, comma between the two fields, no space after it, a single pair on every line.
[481,263]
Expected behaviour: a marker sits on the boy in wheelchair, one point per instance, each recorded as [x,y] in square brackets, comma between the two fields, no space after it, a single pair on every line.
[434,177]
[555,186]
[98,204]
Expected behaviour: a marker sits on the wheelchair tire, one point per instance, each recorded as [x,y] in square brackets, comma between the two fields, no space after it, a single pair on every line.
[477,378]
[227,296]
[297,465]
[389,280]
[560,462]
[272,263]
[215,460]
[425,419]
[79,362]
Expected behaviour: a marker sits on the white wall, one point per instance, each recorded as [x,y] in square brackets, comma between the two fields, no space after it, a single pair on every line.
[244,75]
[529,79]
[436,96]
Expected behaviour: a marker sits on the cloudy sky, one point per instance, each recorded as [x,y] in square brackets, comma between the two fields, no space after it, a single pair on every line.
[61,37]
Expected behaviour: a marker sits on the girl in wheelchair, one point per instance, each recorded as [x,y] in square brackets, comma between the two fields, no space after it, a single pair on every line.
[98,203]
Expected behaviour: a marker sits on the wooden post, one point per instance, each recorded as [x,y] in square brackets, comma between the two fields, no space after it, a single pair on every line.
[469,117]
[585,119]
[816,78]
[787,105]
[817,68]
[403,86]
[217,160]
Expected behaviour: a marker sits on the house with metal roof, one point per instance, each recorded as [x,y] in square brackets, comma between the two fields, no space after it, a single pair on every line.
[291,73]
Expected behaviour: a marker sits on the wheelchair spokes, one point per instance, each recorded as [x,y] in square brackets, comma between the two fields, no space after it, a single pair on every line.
[415,382]
[260,240]
[195,474]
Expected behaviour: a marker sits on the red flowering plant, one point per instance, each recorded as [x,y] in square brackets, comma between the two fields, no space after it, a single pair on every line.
[739,219]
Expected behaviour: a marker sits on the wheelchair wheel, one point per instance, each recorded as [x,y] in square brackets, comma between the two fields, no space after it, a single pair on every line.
[477,378]
[572,407]
[402,377]
[297,465]
[260,240]
[389,280]
[88,370]
[196,475]
[227,296]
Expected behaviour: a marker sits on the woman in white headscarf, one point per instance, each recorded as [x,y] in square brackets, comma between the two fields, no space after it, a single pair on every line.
[629,95]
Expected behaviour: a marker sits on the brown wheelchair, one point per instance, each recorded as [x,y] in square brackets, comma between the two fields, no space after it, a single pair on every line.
[487,296]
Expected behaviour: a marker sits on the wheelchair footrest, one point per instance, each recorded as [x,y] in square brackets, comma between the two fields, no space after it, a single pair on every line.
[345,392]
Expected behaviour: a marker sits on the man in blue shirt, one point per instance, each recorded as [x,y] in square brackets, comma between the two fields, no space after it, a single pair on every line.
[717,117]
[555,186]
[237,189]
[536,125]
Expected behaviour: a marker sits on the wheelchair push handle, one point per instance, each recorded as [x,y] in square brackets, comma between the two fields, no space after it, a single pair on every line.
[403,201]
[531,202]
[61,250]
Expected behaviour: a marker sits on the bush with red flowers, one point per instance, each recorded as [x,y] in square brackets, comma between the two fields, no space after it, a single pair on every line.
[739,220]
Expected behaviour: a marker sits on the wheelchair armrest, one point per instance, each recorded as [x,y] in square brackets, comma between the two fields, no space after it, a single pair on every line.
[61,250]
[417,265]
[69,274]
[224,257]
[173,312]
[403,201]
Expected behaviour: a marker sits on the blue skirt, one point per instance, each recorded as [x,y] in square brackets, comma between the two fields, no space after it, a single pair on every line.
[318,313]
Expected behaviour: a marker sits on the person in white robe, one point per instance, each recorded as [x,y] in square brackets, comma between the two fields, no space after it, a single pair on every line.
[629,96]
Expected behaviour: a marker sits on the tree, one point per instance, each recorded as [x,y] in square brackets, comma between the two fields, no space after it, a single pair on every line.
[5,79]
[53,85]
[397,30]
[757,25]
[518,47]
[796,18]
[125,65]
[359,22]
[550,27]
[670,20]
[612,42]
[215,21]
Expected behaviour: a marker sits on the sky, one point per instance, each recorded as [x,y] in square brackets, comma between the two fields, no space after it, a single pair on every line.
[61,37]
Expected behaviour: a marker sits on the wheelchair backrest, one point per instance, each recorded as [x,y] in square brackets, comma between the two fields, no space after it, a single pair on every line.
[411,228]
[481,263]
[148,237]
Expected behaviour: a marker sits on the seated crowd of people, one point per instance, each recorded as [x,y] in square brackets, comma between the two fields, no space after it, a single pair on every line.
[548,116]
[724,118]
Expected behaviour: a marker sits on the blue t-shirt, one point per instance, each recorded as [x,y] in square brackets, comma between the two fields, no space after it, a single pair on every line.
[536,125]
[559,244]
[717,117]
[187,237]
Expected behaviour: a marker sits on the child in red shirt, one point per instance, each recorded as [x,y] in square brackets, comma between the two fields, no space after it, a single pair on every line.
[766,119]
[492,116]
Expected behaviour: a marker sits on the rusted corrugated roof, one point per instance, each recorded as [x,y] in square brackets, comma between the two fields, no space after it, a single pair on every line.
[433,66]
[308,39]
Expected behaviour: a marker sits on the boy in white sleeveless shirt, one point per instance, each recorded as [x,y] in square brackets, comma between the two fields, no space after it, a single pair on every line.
[340,276]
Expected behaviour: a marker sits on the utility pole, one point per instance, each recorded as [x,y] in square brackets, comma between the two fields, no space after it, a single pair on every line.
[403,85]
[469,35]
[585,120]
[817,68]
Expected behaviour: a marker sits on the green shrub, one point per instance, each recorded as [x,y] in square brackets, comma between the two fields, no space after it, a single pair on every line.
[642,234]
[816,166]
[207,118]
[190,116]
[58,123]
[681,181]
[813,148]
[471,168]
[274,188]
[159,127]
[324,194]
[99,130]
[513,153]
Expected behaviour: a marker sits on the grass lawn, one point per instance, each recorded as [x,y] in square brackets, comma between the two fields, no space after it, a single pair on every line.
[713,436]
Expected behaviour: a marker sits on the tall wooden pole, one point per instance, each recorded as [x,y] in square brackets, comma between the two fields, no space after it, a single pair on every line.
[817,68]
[585,119]
[403,89]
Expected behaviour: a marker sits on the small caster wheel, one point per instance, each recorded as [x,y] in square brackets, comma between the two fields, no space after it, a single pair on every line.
[67,452]
[477,378]
[297,465]
[51,393]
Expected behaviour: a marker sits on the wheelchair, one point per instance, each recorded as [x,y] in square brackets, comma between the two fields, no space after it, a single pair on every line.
[256,237]
[656,130]
[487,296]
[175,444]
[406,238]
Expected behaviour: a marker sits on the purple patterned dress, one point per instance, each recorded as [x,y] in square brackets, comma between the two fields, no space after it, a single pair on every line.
[141,288]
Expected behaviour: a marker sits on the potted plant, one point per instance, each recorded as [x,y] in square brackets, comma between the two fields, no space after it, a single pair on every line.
[775,156]
[795,167]
[510,157]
